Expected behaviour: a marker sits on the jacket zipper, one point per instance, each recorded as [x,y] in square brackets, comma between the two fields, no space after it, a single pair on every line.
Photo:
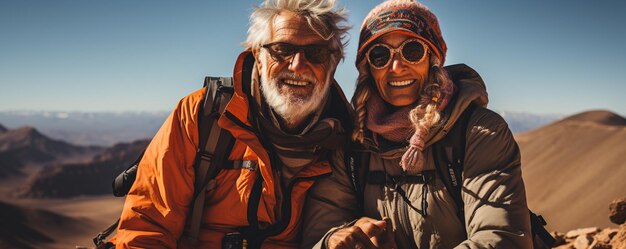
[405,221]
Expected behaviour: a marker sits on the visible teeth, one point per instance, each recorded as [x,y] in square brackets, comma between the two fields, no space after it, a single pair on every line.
[401,83]
[296,82]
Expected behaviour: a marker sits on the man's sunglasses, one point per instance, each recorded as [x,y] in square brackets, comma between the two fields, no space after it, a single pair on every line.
[316,53]
[412,51]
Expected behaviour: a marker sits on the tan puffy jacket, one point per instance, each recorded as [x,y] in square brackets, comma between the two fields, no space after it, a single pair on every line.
[496,213]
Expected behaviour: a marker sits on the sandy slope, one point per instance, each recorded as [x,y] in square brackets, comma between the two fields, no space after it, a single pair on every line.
[574,168]
[92,215]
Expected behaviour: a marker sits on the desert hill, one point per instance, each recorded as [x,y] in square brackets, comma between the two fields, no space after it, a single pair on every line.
[78,179]
[23,227]
[10,165]
[30,146]
[56,223]
[574,167]
[2,128]
[598,117]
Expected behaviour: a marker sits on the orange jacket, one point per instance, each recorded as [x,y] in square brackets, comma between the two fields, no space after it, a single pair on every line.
[157,206]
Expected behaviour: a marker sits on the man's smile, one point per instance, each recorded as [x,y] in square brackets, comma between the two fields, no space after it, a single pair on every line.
[292,82]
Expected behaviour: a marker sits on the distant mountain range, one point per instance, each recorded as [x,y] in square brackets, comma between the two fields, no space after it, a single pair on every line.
[91,178]
[88,128]
[523,121]
[27,146]
[109,128]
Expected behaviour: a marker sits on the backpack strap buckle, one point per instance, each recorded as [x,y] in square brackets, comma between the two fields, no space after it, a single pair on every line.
[247,164]
[205,156]
[379,177]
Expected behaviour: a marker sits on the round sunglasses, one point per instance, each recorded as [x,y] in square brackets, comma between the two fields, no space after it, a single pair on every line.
[314,53]
[412,51]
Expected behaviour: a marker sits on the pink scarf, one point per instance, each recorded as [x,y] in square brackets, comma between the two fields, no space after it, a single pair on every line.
[394,125]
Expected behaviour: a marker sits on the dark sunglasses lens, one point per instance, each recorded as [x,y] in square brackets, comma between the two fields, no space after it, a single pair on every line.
[317,54]
[282,50]
[379,56]
[413,51]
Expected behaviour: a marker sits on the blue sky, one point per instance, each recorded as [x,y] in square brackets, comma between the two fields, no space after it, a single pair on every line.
[69,55]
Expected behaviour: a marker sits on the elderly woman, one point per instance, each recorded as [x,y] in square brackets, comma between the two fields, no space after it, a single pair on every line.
[406,102]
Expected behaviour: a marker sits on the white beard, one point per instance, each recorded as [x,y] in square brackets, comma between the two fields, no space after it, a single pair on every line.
[293,109]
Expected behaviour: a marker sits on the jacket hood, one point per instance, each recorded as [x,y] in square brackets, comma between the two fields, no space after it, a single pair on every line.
[470,89]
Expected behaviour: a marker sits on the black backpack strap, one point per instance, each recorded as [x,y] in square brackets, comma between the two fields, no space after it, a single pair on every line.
[99,239]
[357,165]
[253,233]
[541,237]
[449,154]
[214,146]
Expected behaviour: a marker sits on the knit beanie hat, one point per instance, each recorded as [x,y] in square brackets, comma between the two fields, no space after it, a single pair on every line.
[407,16]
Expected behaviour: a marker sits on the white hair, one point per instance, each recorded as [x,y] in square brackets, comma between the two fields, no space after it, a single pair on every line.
[321,15]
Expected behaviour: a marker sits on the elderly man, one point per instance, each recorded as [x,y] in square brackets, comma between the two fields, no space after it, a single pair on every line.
[287,114]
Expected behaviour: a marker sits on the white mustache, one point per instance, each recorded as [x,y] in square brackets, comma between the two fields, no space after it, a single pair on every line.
[299,77]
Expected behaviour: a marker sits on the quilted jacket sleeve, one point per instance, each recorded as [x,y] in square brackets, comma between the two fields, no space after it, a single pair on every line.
[156,207]
[496,212]
[330,203]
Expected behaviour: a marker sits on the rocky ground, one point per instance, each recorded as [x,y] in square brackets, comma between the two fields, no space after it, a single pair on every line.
[596,238]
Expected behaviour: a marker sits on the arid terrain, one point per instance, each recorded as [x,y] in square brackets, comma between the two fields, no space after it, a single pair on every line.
[574,168]
[54,194]
[57,195]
